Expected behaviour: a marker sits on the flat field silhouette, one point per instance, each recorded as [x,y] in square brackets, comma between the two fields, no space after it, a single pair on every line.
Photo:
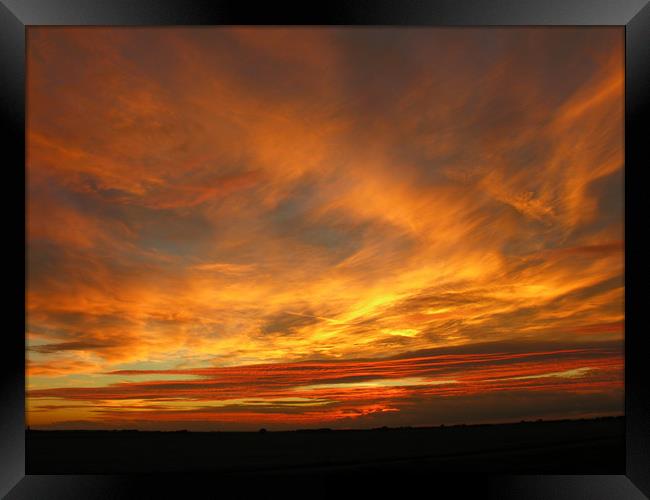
[589,446]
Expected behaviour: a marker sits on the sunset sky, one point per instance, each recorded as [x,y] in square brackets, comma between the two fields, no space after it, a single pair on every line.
[323,227]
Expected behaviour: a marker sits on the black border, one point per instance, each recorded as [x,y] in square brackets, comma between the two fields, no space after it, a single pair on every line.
[16,15]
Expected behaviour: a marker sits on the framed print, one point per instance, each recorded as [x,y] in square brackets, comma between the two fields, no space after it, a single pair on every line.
[372,242]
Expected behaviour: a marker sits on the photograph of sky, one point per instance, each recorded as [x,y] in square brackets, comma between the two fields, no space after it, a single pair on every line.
[235,228]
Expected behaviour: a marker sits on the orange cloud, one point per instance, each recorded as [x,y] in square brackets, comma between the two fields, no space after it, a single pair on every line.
[334,391]
[288,208]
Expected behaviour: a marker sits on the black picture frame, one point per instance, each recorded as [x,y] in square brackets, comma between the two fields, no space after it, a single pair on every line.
[634,15]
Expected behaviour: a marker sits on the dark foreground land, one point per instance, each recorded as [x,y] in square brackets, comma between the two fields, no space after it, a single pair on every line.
[595,446]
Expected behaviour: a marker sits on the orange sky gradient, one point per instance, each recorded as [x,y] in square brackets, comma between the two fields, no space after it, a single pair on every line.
[235,228]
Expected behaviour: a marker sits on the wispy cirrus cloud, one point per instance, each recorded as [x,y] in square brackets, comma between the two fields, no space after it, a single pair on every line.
[254,200]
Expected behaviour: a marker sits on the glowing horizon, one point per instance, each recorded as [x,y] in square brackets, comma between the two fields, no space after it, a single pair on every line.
[234,228]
